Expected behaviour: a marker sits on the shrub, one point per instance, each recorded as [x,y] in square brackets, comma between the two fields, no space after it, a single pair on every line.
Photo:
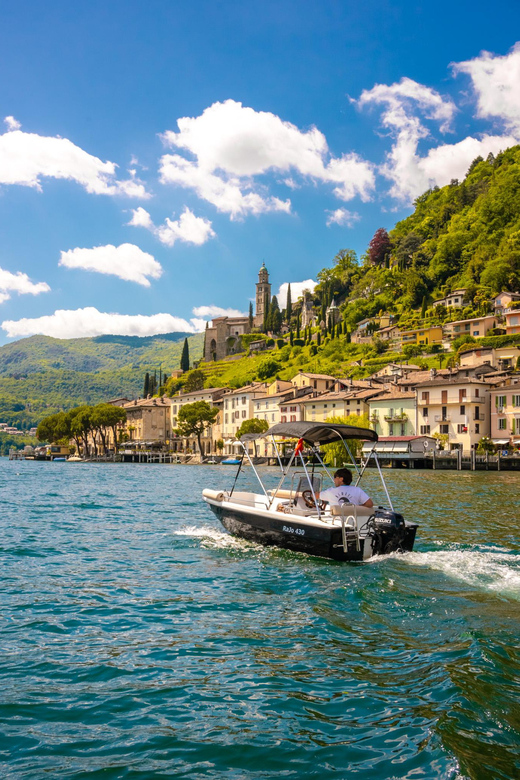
[280,343]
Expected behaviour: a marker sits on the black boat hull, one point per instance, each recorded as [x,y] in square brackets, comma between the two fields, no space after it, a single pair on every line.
[324,540]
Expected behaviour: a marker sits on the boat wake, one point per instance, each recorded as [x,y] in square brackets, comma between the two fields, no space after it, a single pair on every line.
[214,539]
[498,572]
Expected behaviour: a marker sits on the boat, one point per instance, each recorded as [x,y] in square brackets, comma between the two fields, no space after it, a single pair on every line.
[294,517]
[231,462]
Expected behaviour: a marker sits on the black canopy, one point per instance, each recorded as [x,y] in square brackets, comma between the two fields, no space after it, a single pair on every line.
[313,432]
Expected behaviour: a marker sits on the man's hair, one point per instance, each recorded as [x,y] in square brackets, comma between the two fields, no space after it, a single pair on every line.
[345,475]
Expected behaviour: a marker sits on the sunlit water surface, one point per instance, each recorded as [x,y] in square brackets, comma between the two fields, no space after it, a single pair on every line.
[139,640]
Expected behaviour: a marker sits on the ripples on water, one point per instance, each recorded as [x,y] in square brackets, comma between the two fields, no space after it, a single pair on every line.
[139,640]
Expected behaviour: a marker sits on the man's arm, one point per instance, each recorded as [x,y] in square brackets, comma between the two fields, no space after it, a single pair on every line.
[369,503]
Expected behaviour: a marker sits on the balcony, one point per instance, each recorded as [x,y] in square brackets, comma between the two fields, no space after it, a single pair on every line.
[479,419]
[396,417]
[442,418]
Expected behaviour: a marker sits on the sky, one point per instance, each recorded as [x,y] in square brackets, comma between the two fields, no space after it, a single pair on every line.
[154,154]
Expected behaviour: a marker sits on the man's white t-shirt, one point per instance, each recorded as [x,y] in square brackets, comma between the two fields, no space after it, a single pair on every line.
[349,494]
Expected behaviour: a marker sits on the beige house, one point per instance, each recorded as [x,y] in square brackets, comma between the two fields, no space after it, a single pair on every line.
[319,382]
[392,413]
[148,420]
[338,404]
[476,327]
[238,405]
[455,406]
[505,413]
[454,300]
[213,396]
[503,301]
[501,358]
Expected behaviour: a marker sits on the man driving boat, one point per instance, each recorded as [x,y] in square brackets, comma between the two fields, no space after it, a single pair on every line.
[345,493]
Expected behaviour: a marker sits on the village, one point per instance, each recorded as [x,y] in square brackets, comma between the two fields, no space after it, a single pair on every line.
[467,412]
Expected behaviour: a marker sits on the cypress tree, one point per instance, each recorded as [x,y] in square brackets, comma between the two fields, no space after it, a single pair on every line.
[318,342]
[298,326]
[347,333]
[250,314]
[146,389]
[291,337]
[185,357]
[423,308]
[288,307]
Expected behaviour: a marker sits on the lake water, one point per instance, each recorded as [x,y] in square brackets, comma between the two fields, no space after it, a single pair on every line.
[139,640]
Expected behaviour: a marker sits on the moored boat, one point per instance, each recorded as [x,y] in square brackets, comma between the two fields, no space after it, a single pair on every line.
[296,518]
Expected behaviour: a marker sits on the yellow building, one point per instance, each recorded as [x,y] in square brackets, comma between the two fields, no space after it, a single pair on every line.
[319,382]
[421,336]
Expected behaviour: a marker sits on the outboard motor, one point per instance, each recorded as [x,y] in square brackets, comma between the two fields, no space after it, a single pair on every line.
[388,532]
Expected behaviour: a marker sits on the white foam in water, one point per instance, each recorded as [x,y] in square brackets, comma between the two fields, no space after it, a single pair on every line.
[494,571]
[211,537]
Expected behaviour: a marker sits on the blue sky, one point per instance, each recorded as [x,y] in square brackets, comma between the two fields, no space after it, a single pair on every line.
[154,154]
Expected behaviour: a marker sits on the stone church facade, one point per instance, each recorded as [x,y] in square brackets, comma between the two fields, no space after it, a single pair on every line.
[223,336]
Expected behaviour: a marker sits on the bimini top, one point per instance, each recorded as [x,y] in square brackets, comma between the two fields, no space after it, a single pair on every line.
[312,432]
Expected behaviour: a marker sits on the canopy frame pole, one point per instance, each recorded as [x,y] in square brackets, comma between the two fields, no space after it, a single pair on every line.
[246,453]
[323,464]
[277,454]
[284,476]
[311,486]
[365,464]
[383,481]
[236,475]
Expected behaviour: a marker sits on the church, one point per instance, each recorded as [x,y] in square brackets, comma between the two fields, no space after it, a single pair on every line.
[223,337]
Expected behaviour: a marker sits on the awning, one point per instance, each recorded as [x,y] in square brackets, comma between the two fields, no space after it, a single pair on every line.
[313,432]
[500,441]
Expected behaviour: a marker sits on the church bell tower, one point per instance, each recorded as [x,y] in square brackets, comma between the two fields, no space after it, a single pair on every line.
[263,295]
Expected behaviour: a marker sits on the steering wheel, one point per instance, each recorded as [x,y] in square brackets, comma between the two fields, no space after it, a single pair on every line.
[308,499]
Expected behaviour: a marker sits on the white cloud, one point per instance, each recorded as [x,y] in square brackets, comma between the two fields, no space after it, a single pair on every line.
[209,312]
[141,218]
[12,123]
[233,143]
[19,283]
[342,217]
[126,261]
[297,289]
[410,173]
[89,322]
[188,228]
[496,81]
[26,158]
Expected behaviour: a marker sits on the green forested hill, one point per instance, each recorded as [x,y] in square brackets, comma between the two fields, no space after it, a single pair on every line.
[41,375]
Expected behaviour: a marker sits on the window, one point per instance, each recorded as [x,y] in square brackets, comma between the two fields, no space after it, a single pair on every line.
[425,412]
[501,400]
[425,429]
[244,399]
[243,412]
[477,428]
[284,418]
[461,428]
[476,333]
[293,418]
[403,429]
[462,395]
[444,428]
[283,409]
[477,413]
[444,397]
[226,419]
[463,410]
[502,424]
[292,409]
[391,429]
[477,391]
[516,400]
[444,411]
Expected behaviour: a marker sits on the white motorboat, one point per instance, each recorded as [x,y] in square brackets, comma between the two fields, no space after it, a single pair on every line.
[295,518]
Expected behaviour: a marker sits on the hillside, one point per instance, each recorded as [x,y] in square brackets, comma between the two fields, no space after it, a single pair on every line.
[41,375]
